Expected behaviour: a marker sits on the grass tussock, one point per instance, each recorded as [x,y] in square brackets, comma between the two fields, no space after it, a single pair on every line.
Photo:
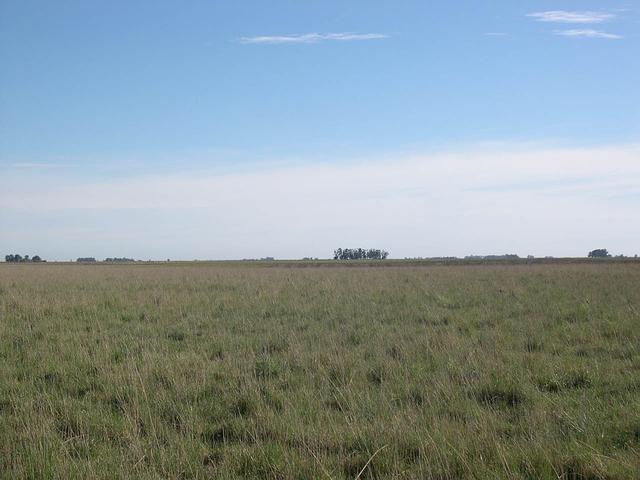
[214,371]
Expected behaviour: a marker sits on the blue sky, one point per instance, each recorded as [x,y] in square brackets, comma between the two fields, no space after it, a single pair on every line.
[108,96]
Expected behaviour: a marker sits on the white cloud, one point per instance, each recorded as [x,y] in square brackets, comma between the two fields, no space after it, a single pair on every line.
[523,199]
[39,165]
[588,34]
[563,16]
[311,38]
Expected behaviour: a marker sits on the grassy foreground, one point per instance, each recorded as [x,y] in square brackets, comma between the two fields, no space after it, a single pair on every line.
[216,371]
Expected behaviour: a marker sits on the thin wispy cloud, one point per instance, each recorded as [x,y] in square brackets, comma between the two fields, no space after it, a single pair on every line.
[311,38]
[564,16]
[588,34]
[496,34]
[39,165]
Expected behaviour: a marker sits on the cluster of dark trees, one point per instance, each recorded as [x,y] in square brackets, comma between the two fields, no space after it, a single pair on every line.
[359,254]
[604,253]
[599,253]
[15,258]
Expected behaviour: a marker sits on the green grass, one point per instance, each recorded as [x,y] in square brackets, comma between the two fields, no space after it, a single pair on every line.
[242,371]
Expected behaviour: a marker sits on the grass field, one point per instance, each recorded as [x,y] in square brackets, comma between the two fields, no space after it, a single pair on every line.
[243,371]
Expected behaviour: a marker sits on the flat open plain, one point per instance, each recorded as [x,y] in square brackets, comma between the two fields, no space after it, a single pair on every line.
[252,370]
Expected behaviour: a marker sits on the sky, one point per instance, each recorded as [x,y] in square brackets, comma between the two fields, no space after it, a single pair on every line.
[245,129]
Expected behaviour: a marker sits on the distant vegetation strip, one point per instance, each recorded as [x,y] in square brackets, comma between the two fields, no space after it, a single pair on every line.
[358,254]
[106,260]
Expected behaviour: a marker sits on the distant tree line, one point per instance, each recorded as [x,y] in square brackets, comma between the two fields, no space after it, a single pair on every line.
[359,254]
[508,256]
[106,260]
[439,259]
[15,258]
[599,253]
